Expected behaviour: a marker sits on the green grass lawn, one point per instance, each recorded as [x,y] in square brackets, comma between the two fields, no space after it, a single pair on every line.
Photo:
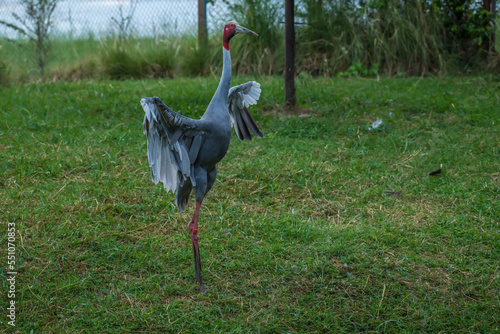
[298,233]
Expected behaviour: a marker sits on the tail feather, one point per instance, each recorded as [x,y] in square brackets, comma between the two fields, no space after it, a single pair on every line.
[182,194]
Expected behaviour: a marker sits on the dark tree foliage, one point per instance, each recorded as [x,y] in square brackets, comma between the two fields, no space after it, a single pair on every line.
[468,25]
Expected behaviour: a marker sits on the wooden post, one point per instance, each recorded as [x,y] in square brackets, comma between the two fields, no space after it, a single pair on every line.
[490,6]
[289,54]
[202,23]
[493,34]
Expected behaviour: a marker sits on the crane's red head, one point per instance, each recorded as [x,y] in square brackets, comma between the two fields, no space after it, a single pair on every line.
[232,28]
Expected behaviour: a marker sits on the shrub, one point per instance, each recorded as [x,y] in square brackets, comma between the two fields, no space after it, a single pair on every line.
[4,73]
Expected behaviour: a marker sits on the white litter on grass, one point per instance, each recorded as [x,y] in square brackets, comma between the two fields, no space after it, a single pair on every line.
[377,123]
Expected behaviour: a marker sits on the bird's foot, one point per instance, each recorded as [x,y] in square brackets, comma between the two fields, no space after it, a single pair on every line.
[201,287]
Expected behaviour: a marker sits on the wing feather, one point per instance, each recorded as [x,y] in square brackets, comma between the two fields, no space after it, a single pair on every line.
[195,147]
[242,127]
[174,142]
[239,99]
[250,123]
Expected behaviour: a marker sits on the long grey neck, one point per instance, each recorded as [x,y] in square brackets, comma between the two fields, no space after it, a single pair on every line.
[225,80]
[220,96]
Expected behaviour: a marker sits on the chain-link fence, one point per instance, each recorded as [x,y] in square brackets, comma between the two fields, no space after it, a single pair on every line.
[99,17]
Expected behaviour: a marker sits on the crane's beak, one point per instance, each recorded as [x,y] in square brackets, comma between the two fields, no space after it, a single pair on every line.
[243,30]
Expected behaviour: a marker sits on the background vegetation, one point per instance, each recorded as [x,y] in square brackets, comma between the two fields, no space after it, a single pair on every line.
[346,38]
[302,232]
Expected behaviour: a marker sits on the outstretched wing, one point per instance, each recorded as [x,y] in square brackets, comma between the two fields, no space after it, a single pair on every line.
[174,142]
[239,98]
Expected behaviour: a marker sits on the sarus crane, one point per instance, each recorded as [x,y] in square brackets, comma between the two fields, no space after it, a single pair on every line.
[183,152]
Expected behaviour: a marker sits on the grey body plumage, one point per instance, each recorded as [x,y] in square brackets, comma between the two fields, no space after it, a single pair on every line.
[180,149]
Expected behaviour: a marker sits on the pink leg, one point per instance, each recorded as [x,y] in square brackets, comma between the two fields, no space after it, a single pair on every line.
[193,231]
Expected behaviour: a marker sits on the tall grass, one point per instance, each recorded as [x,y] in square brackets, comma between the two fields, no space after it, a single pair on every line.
[399,39]
[264,55]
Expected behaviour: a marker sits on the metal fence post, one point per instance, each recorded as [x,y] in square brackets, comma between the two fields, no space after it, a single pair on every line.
[289,53]
[202,23]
